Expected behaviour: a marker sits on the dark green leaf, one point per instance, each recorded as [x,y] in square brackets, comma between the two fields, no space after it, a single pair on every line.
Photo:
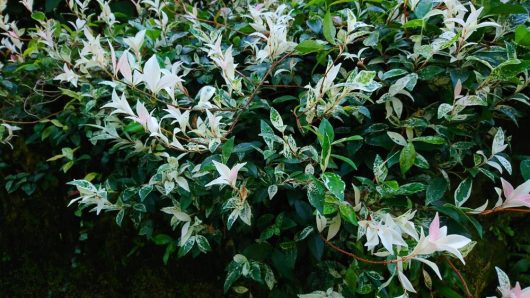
[435,190]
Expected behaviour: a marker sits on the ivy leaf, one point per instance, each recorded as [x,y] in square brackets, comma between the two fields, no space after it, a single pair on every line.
[334,184]
[38,16]
[329,29]
[170,249]
[463,192]
[407,158]
[372,40]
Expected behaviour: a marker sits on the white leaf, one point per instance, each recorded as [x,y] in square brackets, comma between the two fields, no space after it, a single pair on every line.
[321,222]
[398,106]
[272,190]
[397,138]
[479,209]
[246,213]
[498,142]
[505,163]
[334,227]
[183,183]
[433,266]
[444,109]
[458,89]
[232,218]
[405,282]
[152,73]
[504,280]
[472,100]
[495,165]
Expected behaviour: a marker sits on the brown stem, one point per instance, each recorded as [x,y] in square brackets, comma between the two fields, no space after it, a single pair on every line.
[496,210]
[361,259]
[464,283]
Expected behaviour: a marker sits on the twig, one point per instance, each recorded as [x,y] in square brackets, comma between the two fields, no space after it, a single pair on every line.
[464,283]
[496,210]
[361,259]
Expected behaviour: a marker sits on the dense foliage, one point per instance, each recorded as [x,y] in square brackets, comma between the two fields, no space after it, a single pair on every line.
[334,146]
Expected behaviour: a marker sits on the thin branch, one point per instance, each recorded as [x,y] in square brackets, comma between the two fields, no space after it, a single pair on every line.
[464,283]
[361,259]
[496,210]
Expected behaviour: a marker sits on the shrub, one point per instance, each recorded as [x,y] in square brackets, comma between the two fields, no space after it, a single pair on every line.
[340,138]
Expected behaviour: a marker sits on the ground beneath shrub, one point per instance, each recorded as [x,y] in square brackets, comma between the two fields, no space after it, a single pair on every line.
[41,256]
